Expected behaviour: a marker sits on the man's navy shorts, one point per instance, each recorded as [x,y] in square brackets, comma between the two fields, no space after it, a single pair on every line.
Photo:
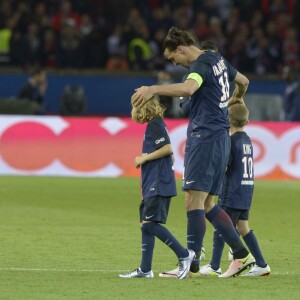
[205,165]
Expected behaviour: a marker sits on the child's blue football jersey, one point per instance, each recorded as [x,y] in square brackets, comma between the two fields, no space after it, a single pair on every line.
[238,185]
[158,177]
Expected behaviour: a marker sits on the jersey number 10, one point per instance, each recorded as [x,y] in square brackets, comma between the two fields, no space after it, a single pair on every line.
[248,167]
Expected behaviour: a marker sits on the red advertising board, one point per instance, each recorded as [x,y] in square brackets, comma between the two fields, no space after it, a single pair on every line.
[106,147]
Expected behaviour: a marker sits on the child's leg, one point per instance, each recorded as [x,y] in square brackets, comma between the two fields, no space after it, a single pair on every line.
[157,207]
[185,256]
[218,246]
[148,242]
[251,242]
[166,237]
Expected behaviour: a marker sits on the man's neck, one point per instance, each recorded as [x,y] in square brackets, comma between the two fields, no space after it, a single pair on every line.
[194,52]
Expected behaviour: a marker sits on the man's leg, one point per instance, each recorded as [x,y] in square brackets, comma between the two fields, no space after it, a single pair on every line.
[196,224]
[223,224]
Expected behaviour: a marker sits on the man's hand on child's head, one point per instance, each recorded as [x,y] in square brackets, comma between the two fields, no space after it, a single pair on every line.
[141,96]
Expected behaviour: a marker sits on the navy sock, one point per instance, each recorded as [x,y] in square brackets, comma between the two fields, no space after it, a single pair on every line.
[195,229]
[223,224]
[253,246]
[148,242]
[218,246]
[166,237]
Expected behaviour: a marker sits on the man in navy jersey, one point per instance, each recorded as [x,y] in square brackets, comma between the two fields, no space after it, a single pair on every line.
[208,142]
[236,195]
[158,186]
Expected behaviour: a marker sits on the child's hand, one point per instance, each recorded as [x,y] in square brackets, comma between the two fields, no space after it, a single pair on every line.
[139,160]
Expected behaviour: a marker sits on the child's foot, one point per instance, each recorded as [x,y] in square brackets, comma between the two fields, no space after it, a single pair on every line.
[207,270]
[184,264]
[137,273]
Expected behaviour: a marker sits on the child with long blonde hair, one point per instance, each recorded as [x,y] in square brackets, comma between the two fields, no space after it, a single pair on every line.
[158,187]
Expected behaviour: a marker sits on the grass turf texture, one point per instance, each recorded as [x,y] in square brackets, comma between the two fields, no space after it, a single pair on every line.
[69,238]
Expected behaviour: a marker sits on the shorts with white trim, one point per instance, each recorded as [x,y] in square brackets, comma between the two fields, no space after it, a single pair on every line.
[205,165]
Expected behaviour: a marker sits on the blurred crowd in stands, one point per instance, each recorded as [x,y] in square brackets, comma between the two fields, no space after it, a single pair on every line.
[256,36]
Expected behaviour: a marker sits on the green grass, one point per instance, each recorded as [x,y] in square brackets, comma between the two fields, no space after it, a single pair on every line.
[69,238]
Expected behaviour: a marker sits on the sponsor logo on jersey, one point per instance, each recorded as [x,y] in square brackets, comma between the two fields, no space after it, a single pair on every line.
[247,182]
[160,140]
[223,104]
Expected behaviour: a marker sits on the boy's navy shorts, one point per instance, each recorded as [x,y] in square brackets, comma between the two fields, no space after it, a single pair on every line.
[155,209]
[205,165]
[236,214]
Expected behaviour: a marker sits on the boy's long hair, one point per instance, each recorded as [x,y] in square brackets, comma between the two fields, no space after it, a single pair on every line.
[150,110]
[238,115]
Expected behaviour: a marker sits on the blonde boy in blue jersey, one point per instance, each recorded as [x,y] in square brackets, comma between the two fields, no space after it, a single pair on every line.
[158,187]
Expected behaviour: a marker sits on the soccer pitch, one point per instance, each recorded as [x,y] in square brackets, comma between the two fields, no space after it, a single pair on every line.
[69,238]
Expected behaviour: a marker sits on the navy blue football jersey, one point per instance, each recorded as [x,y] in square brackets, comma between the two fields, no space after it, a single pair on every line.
[208,107]
[158,177]
[238,185]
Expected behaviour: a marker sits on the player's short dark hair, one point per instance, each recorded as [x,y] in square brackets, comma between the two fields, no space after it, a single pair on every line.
[238,115]
[177,37]
[208,45]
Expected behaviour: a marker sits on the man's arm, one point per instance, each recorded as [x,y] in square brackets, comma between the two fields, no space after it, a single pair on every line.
[144,93]
[157,154]
[241,86]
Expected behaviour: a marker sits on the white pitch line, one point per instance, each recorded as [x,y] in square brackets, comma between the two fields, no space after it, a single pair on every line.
[59,270]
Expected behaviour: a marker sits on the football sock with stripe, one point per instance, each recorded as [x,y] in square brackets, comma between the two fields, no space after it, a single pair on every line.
[218,246]
[148,242]
[223,224]
[253,246]
[166,237]
[196,228]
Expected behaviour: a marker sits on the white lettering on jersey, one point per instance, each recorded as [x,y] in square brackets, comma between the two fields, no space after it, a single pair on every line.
[219,67]
[160,140]
[247,182]
[223,104]
[247,149]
